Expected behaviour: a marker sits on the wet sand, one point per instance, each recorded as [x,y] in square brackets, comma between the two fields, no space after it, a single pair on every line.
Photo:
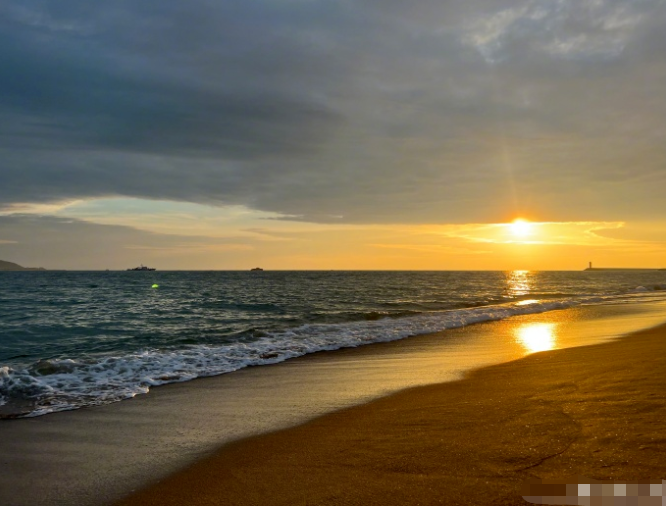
[97,456]
[595,411]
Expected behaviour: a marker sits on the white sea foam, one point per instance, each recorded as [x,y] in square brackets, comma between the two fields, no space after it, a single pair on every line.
[56,385]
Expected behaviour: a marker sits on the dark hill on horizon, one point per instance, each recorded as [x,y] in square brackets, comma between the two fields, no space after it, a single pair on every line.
[11,266]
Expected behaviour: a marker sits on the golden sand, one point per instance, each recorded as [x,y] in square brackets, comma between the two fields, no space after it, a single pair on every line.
[594,411]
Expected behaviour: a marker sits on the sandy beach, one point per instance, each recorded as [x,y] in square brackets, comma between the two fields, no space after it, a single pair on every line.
[593,411]
[498,427]
[335,253]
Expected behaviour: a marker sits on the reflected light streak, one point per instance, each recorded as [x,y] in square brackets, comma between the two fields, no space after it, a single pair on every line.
[526,302]
[518,283]
[537,336]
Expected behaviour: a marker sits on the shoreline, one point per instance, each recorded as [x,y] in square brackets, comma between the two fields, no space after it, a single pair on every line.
[98,455]
[591,412]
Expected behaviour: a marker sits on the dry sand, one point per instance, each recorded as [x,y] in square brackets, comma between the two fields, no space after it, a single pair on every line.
[595,411]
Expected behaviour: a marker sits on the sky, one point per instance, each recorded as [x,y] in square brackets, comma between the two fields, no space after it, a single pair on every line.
[321,134]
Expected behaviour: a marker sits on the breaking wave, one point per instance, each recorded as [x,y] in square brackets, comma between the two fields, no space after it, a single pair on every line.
[62,384]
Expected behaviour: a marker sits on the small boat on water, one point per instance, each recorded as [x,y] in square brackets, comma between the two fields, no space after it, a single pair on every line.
[142,268]
[256,269]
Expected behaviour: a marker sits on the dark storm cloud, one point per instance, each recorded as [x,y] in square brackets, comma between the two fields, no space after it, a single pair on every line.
[368,111]
[124,84]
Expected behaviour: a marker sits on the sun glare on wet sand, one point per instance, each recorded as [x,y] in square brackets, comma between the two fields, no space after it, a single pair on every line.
[537,336]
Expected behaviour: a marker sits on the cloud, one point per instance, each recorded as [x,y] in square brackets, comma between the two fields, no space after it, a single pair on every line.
[543,233]
[571,29]
[336,112]
[54,242]
[75,244]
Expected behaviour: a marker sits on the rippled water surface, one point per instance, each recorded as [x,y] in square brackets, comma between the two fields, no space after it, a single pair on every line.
[70,339]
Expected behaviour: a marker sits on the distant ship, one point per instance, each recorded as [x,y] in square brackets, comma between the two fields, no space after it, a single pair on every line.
[257,269]
[142,268]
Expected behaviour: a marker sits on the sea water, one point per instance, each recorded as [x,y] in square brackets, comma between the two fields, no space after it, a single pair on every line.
[74,339]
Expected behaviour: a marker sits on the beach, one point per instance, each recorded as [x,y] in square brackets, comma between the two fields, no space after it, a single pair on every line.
[491,425]
[594,411]
[332,253]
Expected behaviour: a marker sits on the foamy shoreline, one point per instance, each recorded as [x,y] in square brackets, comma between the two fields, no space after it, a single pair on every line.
[585,415]
[97,455]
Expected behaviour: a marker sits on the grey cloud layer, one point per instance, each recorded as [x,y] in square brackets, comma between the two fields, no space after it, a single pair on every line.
[47,241]
[368,111]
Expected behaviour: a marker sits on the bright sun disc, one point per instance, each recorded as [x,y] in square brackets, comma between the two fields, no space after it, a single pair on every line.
[521,227]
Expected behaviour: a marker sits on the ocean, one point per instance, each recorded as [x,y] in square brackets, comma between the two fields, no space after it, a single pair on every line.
[75,339]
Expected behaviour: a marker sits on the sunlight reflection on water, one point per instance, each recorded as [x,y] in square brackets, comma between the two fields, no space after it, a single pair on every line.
[518,283]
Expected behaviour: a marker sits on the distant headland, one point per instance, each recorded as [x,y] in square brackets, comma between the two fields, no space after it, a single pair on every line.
[590,268]
[11,266]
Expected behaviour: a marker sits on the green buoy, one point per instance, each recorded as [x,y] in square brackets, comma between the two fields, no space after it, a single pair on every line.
[156,285]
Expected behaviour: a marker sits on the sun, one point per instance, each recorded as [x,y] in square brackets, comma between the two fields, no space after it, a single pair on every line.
[520,227]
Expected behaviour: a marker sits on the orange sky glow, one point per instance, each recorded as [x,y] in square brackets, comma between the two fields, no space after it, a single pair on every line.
[522,134]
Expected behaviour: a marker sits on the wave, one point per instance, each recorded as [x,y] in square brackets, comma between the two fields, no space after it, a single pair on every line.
[63,384]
